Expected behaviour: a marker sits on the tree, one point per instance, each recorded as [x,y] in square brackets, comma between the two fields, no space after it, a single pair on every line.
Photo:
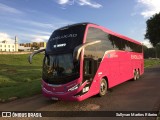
[151,52]
[35,47]
[153,30]
[145,51]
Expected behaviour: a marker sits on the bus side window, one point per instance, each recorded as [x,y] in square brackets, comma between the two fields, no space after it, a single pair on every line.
[87,67]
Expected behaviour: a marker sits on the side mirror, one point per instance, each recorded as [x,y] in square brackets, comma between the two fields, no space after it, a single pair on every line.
[34,53]
[79,48]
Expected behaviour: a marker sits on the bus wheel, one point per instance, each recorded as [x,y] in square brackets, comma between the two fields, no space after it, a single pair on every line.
[135,75]
[138,74]
[103,87]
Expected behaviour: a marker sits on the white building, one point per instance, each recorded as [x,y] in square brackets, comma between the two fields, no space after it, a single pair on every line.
[23,48]
[9,47]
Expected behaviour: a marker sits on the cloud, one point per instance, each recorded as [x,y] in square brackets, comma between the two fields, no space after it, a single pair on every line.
[7,9]
[38,38]
[34,23]
[90,3]
[34,37]
[7,37]
[149,7]
[33,31]
[53,24]
[30,37]
[63,2]
[147,43]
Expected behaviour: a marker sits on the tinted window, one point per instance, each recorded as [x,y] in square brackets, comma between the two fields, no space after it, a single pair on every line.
[66,39]
[97,34]
[127,48]
[121,44]
[108,42]
[87,67]
[100,48]
[59,69]
[116,42]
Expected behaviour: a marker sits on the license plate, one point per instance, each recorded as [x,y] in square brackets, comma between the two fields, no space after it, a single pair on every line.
[54,98]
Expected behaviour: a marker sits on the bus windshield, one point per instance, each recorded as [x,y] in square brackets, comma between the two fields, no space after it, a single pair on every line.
[60,66]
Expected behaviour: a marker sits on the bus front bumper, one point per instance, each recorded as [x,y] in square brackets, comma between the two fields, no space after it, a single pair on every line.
[62,93]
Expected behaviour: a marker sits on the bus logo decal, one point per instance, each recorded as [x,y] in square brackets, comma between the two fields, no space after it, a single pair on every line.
[64,37]
[59,45]
[136,57]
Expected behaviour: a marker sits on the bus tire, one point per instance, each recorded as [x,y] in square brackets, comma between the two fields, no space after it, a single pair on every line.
[138,74]
[103,87]
[135,75]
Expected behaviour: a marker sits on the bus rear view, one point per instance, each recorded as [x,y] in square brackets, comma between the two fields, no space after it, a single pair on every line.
[79,59]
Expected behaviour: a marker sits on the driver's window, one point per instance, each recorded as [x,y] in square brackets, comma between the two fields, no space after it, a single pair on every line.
[87,67]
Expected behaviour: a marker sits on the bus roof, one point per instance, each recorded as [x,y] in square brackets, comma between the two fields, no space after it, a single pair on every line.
[68,26]
[104,29]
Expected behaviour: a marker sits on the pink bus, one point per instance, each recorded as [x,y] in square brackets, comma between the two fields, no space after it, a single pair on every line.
[85,59]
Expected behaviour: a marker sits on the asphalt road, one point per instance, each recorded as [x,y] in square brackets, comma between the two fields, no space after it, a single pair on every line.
[140,95]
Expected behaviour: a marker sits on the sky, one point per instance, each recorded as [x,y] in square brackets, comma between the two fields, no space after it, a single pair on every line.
[35,20]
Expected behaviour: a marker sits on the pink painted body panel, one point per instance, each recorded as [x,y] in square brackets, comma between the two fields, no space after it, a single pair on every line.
[117,66]
[61,92]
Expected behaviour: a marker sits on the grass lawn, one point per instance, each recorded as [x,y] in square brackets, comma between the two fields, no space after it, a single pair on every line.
[18,78]
[151,62]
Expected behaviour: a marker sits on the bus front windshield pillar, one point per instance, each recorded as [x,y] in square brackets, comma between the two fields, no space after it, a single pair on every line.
[79,48]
